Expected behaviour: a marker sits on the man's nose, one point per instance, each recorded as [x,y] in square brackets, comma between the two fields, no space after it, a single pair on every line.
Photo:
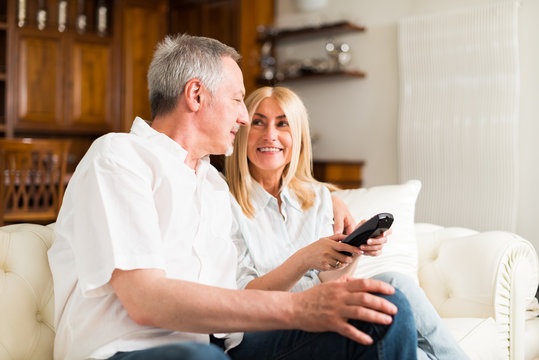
[243,118]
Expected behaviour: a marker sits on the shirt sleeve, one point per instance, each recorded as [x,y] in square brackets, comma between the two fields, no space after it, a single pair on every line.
[115,224]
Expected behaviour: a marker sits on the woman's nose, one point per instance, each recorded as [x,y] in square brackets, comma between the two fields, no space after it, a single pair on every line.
[270,133]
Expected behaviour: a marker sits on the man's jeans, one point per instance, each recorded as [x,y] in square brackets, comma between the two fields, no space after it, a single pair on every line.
[434,338]
[395,341]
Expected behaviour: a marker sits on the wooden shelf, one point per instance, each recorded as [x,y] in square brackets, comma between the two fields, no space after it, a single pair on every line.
[315,75]
[333,28]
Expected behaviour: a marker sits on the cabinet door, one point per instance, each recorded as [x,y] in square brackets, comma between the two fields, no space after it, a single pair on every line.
[40,88]
[143,26]
[90,85]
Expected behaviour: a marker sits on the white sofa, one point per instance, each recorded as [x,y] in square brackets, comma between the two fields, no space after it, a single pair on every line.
[481,284]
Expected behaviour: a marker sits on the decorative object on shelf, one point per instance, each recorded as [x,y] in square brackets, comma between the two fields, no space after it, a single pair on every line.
[21,14]
[267,61]
[81,17]
[62,15]
[310,5]
[339,55]
[345,56]
[42,15]
[102,18]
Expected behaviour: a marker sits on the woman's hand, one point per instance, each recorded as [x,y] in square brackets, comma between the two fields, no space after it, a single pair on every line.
[375,245]
[326,253]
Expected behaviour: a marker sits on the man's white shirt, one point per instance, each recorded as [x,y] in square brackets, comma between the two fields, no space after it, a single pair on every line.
[132,203]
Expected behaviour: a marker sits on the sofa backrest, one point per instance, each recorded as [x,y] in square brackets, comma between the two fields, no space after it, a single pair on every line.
[26,292]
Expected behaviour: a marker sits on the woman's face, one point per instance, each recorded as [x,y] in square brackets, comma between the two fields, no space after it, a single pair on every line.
[269,143]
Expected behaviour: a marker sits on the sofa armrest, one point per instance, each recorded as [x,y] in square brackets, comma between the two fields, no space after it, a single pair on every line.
[470,274]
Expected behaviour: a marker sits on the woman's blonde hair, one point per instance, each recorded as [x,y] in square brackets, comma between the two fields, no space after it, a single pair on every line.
[297,174]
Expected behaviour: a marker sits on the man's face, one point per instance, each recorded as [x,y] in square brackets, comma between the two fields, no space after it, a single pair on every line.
[226,111]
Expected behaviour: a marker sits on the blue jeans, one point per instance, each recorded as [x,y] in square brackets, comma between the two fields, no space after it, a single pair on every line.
[434,339]
[395,341]
[175,351]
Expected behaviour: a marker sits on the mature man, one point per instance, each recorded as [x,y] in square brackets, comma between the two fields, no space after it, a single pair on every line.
[143,265]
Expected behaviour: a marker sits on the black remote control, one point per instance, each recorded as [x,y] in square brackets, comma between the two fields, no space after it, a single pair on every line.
[374,227]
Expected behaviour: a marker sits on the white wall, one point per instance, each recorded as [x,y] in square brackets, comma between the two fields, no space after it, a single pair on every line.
[357,118]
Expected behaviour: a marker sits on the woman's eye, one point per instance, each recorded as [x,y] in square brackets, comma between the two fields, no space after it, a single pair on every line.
[256,122]
[283,123]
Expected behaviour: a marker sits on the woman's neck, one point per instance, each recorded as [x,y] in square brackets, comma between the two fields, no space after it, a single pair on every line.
[269,180]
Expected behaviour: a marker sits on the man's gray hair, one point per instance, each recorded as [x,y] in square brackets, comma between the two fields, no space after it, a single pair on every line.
[179,59]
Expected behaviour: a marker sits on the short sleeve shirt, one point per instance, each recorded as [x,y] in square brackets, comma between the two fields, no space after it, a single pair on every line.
[266,240]
[132,203]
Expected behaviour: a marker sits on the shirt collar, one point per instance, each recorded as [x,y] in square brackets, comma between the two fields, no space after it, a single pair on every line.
[143,129]
[260,198]
[290,198]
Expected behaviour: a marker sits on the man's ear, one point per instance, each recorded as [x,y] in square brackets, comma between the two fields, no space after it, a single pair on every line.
[193,94]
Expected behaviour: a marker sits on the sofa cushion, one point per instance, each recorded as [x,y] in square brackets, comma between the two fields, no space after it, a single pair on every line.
[400,253]
[26,292]
[478,337]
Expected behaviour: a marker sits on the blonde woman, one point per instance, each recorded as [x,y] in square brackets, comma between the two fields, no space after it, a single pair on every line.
[283,228]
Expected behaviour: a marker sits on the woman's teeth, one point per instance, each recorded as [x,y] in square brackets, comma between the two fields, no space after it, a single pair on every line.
[269,149]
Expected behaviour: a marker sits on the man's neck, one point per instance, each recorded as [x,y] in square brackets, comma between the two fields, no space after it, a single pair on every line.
[180,131]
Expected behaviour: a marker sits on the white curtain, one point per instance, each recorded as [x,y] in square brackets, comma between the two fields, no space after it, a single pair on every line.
[458,116]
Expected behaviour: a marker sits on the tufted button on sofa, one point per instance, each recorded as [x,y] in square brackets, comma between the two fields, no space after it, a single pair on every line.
[484,302]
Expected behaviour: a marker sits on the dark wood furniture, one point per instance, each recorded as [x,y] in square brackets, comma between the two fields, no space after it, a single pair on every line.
[33,179]
[343,173]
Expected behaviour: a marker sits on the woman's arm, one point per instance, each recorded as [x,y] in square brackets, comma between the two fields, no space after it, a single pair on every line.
[322,255]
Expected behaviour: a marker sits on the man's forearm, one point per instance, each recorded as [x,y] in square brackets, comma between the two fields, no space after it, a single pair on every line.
[151,299]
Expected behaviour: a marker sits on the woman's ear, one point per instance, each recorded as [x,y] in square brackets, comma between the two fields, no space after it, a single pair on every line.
[193,94]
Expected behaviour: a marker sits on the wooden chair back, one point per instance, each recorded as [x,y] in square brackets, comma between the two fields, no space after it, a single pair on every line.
[33,179]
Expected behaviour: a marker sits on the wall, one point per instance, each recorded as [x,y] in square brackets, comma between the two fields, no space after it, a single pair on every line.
[357,119]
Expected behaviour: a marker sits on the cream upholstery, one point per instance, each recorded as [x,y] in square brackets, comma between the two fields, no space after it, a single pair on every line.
[469,275]
[26,293]
[483,302]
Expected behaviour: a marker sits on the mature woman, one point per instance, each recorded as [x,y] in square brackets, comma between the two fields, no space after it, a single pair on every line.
[284,216]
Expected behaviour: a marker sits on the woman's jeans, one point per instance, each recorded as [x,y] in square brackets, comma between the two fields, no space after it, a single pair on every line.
[395,341]
[434,339]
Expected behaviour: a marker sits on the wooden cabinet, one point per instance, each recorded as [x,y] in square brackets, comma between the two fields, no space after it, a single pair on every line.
[142,24]
[81,72]
[344,174]
[4,61]
[63,78]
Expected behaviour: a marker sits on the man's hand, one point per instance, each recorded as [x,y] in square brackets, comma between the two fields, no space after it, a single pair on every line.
[329,306]
[343,221]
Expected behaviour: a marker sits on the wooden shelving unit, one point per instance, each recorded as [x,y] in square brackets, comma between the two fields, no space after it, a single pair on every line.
[287,35]
[325,29]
